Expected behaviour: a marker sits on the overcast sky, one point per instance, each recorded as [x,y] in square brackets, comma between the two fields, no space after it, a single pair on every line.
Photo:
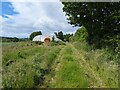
[19,19]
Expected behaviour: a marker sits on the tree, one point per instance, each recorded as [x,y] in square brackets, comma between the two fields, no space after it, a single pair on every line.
[15,39]
[81,35]
[67,37]
[63,37]
[33,34]
[71,39]
[59,35]
[102,20]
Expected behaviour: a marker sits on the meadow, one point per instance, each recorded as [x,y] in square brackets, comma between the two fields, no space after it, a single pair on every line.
[74,65]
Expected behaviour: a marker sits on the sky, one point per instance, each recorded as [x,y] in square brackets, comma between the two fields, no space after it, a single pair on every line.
[21,18]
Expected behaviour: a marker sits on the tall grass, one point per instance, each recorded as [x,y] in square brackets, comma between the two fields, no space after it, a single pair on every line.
[11,56]
[29,66]
[102,61]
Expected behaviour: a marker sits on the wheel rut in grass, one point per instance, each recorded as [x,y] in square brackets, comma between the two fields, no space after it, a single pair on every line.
[32,70]
[70,70]
[66,71]
[53,66]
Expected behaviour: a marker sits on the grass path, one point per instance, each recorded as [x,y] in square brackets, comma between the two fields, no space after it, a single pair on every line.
[66,71]
[70,70]
[55,67]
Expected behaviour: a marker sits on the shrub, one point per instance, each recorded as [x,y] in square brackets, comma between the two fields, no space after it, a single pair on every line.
[81,35]
[38,42]
[57,43]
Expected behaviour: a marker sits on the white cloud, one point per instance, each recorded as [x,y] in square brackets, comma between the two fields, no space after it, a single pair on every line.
[47,17]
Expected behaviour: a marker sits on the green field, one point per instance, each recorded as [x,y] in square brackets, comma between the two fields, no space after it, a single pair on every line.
[74,65]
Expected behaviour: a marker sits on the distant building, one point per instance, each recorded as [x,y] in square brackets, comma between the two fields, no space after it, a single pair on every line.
[43,37]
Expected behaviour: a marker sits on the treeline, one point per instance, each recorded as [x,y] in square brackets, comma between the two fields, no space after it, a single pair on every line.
[101,20]
[12,39]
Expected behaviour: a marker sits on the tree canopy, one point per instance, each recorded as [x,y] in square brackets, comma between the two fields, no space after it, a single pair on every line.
[33,34]
[59,35]
[81,35]
[102,20]
[67,37]
[63,37]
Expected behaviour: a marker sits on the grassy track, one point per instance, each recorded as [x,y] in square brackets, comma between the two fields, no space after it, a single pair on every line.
[71,70]
[71,66]
[68,74]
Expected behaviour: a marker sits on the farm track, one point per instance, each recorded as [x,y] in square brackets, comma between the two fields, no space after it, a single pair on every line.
[56,65]
[47,67]
[60,65]
[53,80]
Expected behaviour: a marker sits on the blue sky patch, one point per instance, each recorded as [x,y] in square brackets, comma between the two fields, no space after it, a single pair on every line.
[7,9]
